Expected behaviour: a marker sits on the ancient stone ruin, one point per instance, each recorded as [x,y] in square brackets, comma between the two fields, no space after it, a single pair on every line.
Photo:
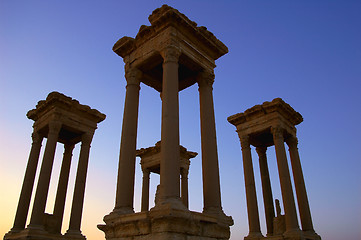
[170,55]
[59,119]
[262,126]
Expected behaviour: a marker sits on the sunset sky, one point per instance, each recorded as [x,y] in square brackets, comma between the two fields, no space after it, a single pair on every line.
[306,52]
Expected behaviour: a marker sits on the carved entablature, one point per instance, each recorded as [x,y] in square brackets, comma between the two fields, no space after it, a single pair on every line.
[150,157]
[260,121]
[74,118]
[198,47]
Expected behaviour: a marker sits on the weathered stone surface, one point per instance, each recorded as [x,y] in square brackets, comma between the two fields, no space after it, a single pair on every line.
[169,56]
[59,119]
[273,123]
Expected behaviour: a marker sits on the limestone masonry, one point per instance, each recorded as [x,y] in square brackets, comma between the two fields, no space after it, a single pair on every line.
[170,55]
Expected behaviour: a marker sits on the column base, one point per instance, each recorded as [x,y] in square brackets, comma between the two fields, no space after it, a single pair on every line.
[74,234]
[254,236]
[164,222]
[294,235]
[33,233]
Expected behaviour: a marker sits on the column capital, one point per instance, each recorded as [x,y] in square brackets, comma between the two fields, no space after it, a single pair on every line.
[277,132]
[261,151]
[184,172]
[86,138]
[133,76]
[170,54]
[146,171]
[292,142]
[54,127]
[37,138]
[206,78]
[244,141]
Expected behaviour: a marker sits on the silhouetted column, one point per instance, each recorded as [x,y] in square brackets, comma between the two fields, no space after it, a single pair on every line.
[42,189]
[266,189]
[63,185]
[184,186]
[210,169]
[27,188]
[79,188]
[251,196]
[126,168]
[145,190]
[305,213]
[170,155]
[285,180]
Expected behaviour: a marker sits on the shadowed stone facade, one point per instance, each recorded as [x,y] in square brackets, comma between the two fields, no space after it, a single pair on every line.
[169,56]
[262,126]
[59,119]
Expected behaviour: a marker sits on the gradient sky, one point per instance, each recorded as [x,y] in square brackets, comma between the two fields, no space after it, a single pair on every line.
[306,52]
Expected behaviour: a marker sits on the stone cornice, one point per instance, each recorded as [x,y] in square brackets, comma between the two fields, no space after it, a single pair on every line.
[156,149]
[277,105]
[162,18]
[56,99]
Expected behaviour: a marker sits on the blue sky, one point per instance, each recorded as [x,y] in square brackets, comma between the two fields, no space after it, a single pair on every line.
[306,52]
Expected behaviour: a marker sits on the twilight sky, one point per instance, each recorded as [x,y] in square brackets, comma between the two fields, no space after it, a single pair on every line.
[306,52]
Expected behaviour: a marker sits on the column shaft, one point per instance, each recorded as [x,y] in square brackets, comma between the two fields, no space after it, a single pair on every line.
[126,168]
[145,191]
[266,189]
[63,185]
[251,196]
[184,186]
[170,155]
[302,199]
[79,188]
[42,189]
[210,168]
[285,180]
[27,188]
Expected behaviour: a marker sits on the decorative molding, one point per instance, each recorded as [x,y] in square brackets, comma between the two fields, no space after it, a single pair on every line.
[170,54]
[133,76]
[205,78]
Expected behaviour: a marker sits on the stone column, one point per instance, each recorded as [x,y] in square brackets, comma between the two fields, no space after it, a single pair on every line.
[63,185]
[210,169]
[184,186]
[170,154]
[285,180]
[304,208]
[145,191]
[79,188]
[27,188]
[266,189]
[126,168]
[42,189]
[251,196]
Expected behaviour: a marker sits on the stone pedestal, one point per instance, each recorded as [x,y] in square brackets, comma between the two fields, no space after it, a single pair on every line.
[166,223]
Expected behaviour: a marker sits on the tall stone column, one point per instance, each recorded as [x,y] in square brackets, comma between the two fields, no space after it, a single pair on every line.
[27,188]
[251,196]
[42,189]
[79,188]
[266,189]
[184,186]
[145,191]
[126,168]
[302,199]
[170,155]
[285,180]
[210,169]
[63,185]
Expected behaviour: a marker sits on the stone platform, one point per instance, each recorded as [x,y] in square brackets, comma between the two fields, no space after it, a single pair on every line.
[166,223]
